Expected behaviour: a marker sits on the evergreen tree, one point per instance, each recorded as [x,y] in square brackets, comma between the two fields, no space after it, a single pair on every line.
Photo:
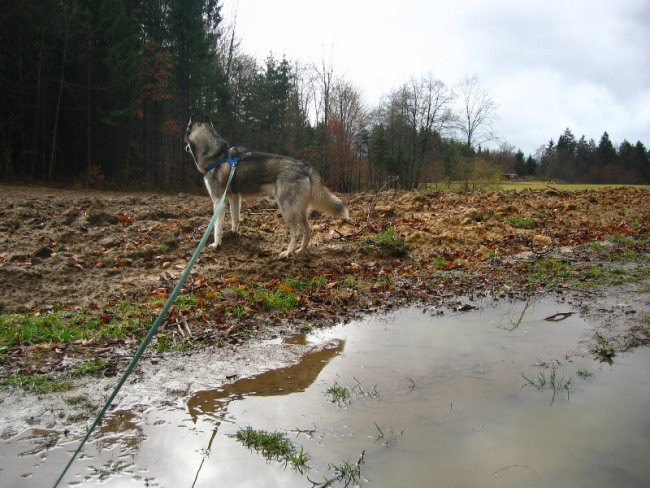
[520,164]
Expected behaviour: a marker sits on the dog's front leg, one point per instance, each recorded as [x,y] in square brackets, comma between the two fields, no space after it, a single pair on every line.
[218,226]
[215,191]
[235,209]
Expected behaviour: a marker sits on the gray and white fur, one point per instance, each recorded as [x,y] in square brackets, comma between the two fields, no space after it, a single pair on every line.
[295,185]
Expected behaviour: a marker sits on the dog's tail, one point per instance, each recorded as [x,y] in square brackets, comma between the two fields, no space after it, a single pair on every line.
[324,201]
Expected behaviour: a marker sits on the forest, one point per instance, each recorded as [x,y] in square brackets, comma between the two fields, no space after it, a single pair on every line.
[99,94]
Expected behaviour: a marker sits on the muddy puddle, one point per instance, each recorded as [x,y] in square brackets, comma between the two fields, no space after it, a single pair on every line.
[497,397]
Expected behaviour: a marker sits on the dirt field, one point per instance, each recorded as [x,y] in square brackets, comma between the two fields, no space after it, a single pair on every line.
[112,258]
[83,274]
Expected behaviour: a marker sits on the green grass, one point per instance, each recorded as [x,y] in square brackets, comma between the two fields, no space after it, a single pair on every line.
[238,312]
[37,383]
[348,473]
[65,326]
[84,408]
[603,350]
[388,242]
[167,245]
[541,382]
[584,373]
[311,283]
[542,185]
[25,329]
[277,300]
[274,446]
[183,302]
[338,394]
[280,299]
[547,271]
[351,282]
[522,222]
[90,368]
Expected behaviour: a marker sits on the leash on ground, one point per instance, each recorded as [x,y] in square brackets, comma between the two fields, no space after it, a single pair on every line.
[154,328]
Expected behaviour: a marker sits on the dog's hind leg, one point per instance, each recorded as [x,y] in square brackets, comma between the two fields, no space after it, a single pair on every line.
[235,210]
[293,232]
[306,233]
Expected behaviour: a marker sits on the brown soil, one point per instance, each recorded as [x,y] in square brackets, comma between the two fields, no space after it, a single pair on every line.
[90,251]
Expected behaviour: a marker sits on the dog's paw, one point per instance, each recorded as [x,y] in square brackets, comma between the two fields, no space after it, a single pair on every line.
[284,254]
[214,245]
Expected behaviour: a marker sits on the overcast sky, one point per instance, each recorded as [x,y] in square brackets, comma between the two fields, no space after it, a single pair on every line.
[549,65]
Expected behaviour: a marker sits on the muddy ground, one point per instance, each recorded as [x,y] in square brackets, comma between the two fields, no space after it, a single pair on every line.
[101,264]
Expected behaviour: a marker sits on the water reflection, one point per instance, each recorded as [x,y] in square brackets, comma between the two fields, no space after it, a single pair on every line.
[295,378]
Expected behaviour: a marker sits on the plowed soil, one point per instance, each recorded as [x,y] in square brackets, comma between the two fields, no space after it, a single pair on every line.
[93,252]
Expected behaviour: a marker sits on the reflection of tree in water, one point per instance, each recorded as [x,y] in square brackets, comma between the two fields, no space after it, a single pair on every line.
[283,381]
[121,428]
[295,378]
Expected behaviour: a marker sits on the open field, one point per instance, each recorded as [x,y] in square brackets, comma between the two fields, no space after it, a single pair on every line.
[541,185]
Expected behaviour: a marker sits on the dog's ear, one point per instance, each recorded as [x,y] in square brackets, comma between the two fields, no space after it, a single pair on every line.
[189,124]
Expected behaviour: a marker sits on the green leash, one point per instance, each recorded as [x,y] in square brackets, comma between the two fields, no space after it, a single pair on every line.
[155,326]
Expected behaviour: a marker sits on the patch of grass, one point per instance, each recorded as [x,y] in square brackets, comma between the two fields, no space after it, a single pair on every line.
[238,312]
[351,282]
[281,299]
[594,272]
[167,245]
[274,446]
[338,394]
[60,326]
[584,373]
[27,329]
[388,242]
[311,283]
[348,472]
[541,382]
[164,343]
[597,246]
[623,241]
[603,350]
[384,282]
[522,222]
[79,401]
[547,271]
[277,300]
[183,302]
[117,329]
[92,367]
[543,185]
[37,383]
[85,408]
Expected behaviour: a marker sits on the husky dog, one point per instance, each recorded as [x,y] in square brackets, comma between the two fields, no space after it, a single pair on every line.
[295,185]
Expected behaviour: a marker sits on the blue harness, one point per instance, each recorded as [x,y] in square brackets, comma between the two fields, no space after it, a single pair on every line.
[232,161]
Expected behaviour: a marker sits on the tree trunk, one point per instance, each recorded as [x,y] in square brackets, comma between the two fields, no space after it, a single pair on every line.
[89,107]
[67,20]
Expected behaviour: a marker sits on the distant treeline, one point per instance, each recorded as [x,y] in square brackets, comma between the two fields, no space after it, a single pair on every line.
[100,93]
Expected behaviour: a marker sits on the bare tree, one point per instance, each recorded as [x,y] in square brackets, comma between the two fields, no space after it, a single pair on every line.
[348,118]
[477,112]
[416,115]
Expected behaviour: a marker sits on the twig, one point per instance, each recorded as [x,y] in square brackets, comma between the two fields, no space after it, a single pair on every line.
[558,316]
[496,473]
[308,432]
[376,196]
[521,317]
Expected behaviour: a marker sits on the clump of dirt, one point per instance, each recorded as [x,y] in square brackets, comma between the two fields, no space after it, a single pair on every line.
[91,253]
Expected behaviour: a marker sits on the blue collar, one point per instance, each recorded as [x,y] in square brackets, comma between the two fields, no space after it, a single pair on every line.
[232,161]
